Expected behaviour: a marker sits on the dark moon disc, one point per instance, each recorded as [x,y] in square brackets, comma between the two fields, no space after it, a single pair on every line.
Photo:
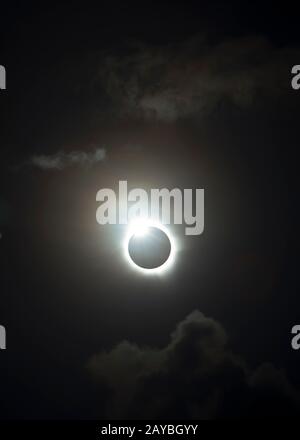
[150,250]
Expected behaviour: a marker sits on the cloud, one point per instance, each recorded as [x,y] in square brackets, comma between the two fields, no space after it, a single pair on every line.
[61,160]
[194,376]
[192,78]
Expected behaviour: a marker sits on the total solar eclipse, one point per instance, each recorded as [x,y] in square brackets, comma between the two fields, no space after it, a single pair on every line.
[149,247]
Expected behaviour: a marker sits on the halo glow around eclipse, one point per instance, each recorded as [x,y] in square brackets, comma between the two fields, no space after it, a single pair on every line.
[140,228]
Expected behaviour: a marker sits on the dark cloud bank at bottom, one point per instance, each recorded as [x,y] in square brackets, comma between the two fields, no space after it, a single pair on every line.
[194,376]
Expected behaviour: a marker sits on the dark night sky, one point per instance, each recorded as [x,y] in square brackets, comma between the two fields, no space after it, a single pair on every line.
[178,95]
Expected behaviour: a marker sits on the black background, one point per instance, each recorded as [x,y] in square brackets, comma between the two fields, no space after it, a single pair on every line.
[65,293]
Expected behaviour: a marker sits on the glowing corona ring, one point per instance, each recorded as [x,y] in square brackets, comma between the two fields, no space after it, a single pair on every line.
[139,227]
